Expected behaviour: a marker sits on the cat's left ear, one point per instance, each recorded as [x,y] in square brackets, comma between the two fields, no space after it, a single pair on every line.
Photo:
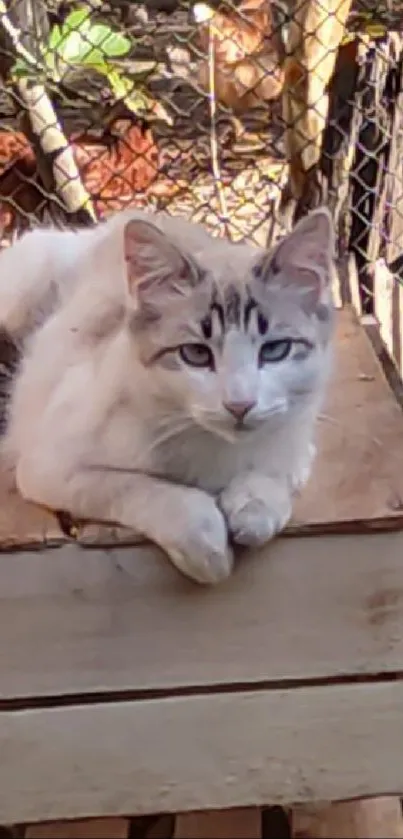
[304,258]
[154,264]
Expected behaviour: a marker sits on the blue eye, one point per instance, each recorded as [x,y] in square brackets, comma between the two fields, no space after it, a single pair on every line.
[196,355]
[273,351]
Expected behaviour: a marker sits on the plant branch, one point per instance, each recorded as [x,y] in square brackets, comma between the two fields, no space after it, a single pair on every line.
[213,134]
[55,159]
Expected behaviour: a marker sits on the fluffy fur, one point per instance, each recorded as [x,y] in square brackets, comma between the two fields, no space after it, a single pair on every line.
[169,381]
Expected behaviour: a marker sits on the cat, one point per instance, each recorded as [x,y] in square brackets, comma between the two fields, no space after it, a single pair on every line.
[168,381]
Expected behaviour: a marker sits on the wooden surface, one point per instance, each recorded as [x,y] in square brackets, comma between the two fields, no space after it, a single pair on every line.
[136,691]
[357,483]
[85,621]
[388,307]
[308,608]
[222,750]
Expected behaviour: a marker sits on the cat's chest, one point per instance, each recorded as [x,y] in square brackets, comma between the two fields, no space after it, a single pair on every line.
[205,461]
[194,457]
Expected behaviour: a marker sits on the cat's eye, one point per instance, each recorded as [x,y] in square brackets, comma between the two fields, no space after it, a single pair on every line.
[196,355]
[273,351]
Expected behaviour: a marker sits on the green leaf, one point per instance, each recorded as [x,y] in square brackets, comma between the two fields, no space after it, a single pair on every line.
[123,88]
[83,43]
[55,38]
[120,85]
[112,44]
[135,98]
[67,40]
[79,19]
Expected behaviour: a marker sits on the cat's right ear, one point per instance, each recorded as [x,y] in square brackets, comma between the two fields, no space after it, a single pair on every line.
[154,265]
[303,259]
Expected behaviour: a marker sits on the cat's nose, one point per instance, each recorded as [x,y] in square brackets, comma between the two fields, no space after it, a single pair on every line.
[239,409]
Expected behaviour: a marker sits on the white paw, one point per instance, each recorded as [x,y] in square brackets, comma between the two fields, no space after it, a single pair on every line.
[198,545]
[254,511]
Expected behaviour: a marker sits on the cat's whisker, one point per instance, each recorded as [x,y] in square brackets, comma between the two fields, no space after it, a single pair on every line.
[273,411]
[215,427]
[327,418]
[219,431]
[169,434]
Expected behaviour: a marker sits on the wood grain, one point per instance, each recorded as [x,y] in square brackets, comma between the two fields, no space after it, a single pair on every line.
[357,482]
[121,620]
[194,753]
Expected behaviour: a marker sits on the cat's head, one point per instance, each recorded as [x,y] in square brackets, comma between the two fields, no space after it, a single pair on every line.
[232,335]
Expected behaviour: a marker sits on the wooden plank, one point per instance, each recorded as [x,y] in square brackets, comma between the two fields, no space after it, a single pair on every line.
[315,32]
[357,478]
[353,283]
[384,283]
[238,823]
[230,750]
[371,818]
[21,523]
[125,620]
[80,829]
[388,309]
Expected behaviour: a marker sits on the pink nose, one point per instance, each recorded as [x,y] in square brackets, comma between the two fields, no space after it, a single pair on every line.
[239,409]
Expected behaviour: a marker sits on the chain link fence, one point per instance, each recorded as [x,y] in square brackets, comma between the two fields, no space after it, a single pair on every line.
[242,115]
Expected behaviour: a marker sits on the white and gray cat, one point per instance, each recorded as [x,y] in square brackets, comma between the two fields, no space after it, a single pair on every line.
[168,381]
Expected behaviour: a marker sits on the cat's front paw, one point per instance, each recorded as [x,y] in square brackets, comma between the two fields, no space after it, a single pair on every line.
[255,509]
[198,544]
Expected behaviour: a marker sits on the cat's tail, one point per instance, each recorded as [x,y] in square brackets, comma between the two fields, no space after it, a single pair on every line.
[30,271]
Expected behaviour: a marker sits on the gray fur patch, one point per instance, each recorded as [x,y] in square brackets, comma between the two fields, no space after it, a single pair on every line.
[323,313]
[232,306]
[234,309]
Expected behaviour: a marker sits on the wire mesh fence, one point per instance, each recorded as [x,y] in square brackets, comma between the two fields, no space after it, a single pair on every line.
[242,115]
[149,101]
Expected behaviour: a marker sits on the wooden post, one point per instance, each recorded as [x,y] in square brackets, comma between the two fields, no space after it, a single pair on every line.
[360,171]
[316,29]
